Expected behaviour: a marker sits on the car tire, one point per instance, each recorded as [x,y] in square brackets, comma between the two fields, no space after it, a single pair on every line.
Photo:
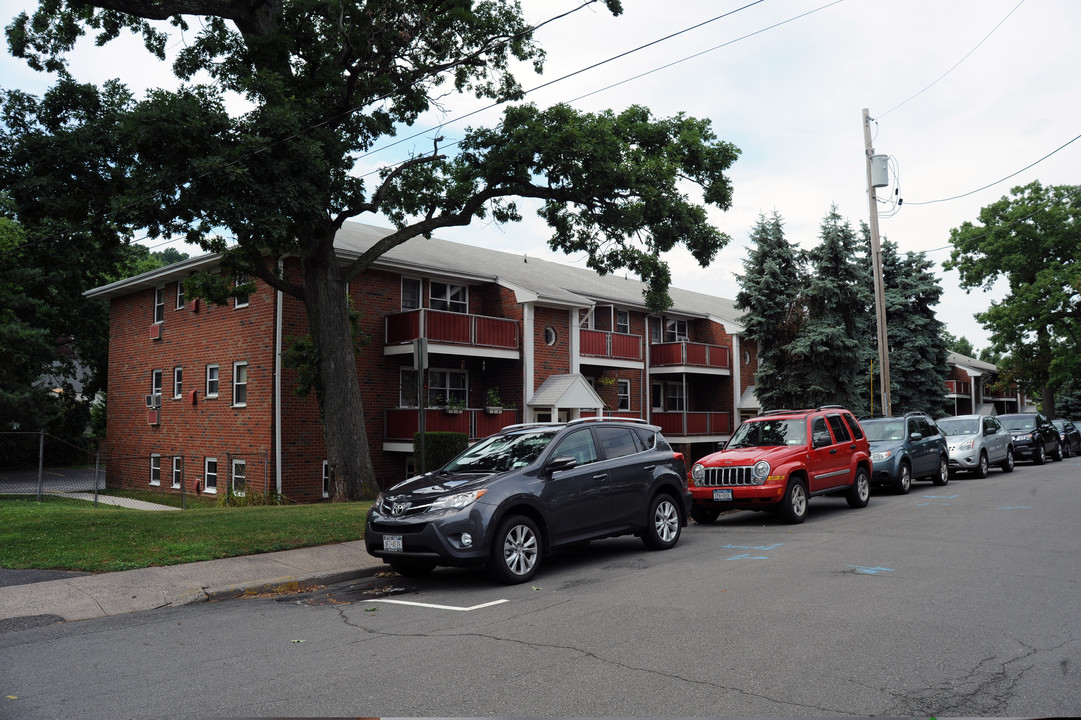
[1041,455]
[1057,455]
[904,480]
[411,569]
[516,550]
[860,493]
[1065,450]
[1007,464]
[704,515]
[663,523]
[793,507]
[981,465]
[943,475]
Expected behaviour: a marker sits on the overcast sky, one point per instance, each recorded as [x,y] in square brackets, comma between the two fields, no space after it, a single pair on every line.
[964,93]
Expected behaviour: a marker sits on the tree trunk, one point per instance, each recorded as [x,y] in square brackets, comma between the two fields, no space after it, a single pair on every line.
[339,390]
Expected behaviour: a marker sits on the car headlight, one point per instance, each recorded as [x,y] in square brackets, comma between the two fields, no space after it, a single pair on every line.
[456,501]
[966,445]
[698,472]
[760,471]
[879,456]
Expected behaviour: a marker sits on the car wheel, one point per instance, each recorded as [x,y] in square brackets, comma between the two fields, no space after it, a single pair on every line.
[904,481]
[515,550]
[1066,450]
[860,493]
[1041,455]
[704,515]
[411,569]
[793,506]
[943,475]
[1007,464]
[663,526]
[1057,455]
[981,466]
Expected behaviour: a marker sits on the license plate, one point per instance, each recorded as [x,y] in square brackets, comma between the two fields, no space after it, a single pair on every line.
[722,494]
[392,543]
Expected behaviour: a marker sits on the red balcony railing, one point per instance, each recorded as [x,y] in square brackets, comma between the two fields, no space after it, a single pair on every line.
[401,424]
[958,387]
[690,354]
[604,344]
[451,328]
[693,423]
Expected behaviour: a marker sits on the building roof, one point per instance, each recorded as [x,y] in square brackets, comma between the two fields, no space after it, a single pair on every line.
[532,279]
[566,391]
[972,366]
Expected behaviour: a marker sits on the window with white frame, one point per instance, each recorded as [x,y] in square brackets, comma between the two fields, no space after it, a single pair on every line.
[178,383]
[675,330]
[159,304]
[446,385]
[155,470]
[241,301]
[410,293]
[407,388]
[623,322]
[180,295]
[211,381]
[445,296]
[675,400]
[623,393]
[655,330]
[155,383]
[240,477]
[210,475]
[178,470]
[240,383]
[326,479]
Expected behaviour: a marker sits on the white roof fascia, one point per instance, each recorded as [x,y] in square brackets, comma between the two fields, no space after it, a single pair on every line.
[154,278]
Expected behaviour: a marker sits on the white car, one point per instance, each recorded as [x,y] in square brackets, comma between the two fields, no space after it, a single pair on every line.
[976,443]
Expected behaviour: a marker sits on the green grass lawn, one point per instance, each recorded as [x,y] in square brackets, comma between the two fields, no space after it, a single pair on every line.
[63,534]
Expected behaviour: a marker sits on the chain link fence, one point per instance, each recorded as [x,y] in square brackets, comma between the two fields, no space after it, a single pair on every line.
[42,466]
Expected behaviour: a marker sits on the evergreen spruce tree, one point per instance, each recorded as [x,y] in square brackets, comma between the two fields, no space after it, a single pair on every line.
[769,295]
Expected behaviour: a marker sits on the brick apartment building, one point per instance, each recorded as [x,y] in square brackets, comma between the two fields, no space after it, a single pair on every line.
[973,387]
[199,392]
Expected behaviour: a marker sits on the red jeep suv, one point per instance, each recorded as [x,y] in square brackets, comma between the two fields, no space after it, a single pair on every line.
[778,460]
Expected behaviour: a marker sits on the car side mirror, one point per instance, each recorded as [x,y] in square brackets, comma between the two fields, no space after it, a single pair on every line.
[989,431]
[563,462]
[915,436]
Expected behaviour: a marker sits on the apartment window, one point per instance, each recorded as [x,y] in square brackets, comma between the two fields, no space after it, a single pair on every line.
[657,394]
[159,304]
[674,401]
[179,294]
[326,479]
[449,297]
[623,322]
[623,392]
[155,470]
[407,389]
[178,383]
[240,383]
[410,293]
[210,475]
[675,330]
[155,383]
[655,333]
[211,381]
[241,301]
[240,477]
[178,470]
[446,385]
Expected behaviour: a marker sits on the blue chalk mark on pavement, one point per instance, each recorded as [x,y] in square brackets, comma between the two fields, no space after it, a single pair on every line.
[1015,507]
[870,570]
[941,497]
[753,547]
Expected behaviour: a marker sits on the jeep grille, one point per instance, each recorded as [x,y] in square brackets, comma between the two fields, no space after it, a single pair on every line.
[724,476]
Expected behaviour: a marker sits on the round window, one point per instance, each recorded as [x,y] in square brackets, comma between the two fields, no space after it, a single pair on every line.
[746,358]
[549,335]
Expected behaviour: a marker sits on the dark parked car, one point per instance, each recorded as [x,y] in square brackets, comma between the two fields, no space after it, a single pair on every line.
[976,443]
[1069,436]
[1034,437]
[905,448]
[515,496]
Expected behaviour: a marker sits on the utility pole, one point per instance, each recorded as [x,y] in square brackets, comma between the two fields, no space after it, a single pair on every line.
[876,264]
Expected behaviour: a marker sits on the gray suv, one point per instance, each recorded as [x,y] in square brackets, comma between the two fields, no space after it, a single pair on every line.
[905,448]
[515,496]
[976,443]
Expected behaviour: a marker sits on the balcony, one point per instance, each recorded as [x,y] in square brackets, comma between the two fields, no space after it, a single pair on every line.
[690,424]
[689,356]
[460,330]
[400,424]
[610,345]
[956,387]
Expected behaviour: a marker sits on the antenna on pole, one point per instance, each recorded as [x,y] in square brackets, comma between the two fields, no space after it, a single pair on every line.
[878,176]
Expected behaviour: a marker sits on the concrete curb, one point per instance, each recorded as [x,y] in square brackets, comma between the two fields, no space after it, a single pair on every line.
[282,585]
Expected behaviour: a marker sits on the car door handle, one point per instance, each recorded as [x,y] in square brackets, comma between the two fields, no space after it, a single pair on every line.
[851,447]
[833,451]
[600,476]
[649,467]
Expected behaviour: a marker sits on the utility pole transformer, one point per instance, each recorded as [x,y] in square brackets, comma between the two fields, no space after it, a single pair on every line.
[876,264]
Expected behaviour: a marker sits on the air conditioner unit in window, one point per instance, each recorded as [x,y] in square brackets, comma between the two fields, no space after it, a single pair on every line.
[152,401]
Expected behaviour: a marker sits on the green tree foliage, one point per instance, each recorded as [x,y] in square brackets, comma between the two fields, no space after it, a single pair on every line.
[836,301]
[769,297]
[323,82]
[1032,240]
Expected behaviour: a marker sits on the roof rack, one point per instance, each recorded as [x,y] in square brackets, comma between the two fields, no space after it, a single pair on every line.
[832,407]
[599,418]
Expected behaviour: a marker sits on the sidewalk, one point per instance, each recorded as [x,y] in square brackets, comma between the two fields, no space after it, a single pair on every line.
[92,596]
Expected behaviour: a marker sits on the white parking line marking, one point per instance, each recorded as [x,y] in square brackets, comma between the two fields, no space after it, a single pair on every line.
[441,607]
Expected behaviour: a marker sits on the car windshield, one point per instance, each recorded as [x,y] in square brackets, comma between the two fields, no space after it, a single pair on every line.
[959,426]
[1018,423]
[882,430]
[765,433]
[500,453]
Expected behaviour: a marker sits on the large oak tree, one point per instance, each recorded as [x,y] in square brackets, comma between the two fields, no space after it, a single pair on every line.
[322,82]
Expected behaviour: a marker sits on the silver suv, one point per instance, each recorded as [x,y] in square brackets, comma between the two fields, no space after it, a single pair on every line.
[976,443]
